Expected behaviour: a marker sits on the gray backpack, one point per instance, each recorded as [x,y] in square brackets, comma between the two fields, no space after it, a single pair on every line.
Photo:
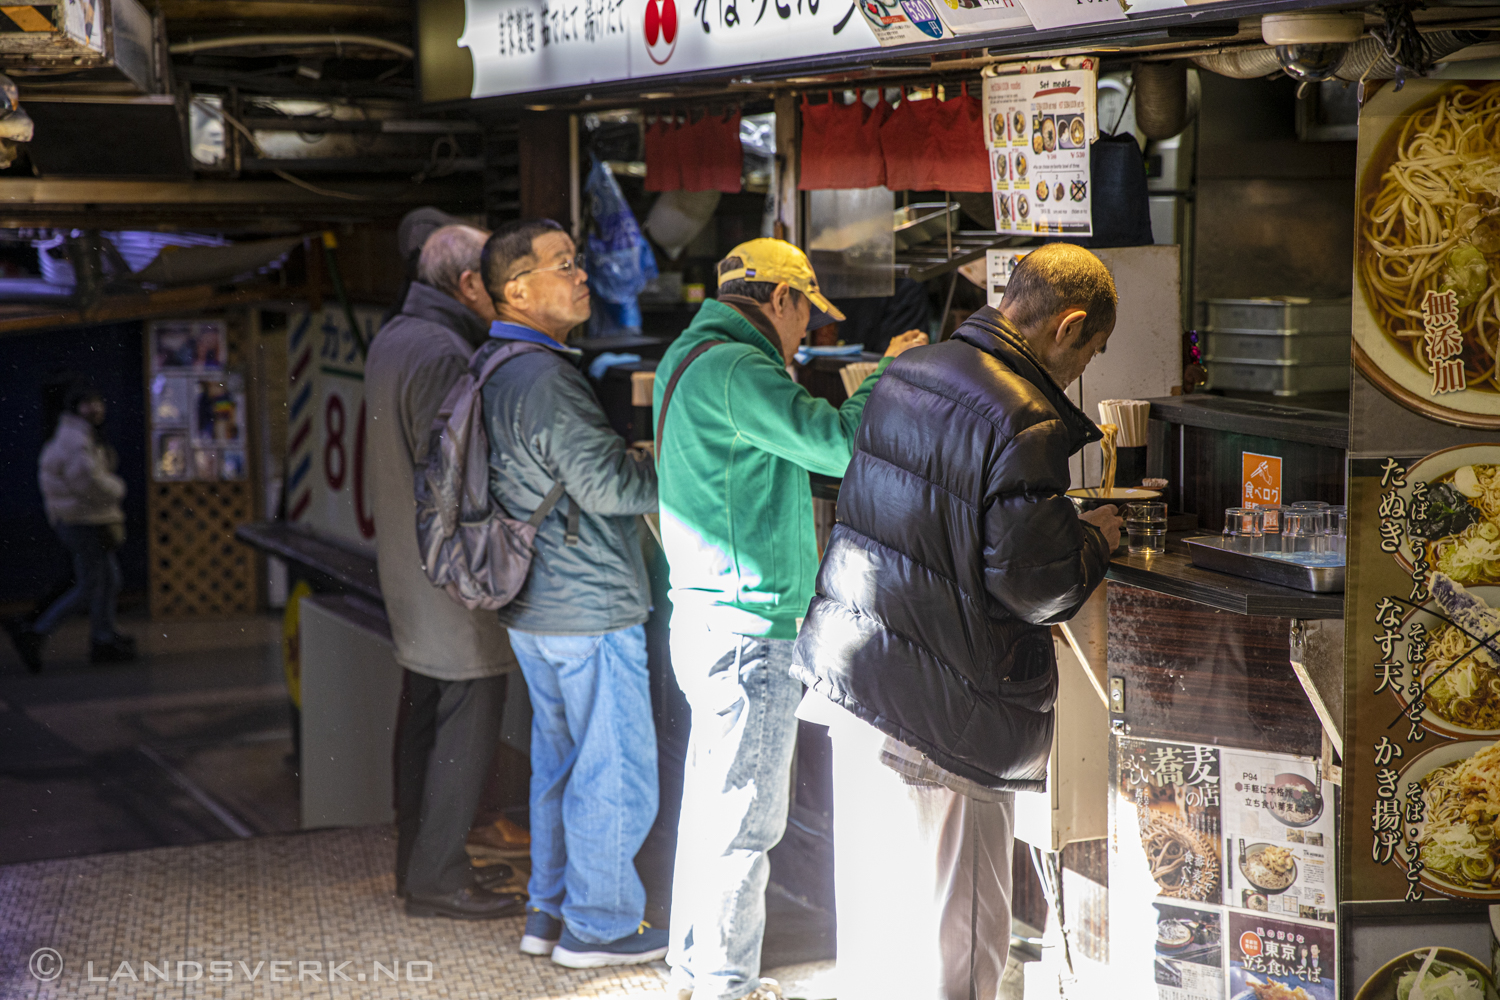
[469,545]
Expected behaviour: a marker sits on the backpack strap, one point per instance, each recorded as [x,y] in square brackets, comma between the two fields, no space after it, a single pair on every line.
[554,495]
[666,397]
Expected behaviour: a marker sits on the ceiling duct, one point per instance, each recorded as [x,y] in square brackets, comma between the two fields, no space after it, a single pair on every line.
[101,44]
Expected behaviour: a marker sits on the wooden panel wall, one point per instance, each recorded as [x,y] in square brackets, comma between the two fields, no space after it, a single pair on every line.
[1199,675]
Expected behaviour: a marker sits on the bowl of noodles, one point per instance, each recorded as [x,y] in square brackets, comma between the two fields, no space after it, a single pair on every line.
[1456,839]
[1460,529]
[1461,677]
[1457,974]
[1429,224]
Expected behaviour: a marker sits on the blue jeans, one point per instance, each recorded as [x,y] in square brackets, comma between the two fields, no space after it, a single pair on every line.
[96,581]
[593,777]
[734,804]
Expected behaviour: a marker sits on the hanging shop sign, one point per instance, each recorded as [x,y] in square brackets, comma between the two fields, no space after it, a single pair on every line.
[326,471]
[968,17]
[1422,658]
[1221,873]
[517,46]
[197,406]
[1038,126]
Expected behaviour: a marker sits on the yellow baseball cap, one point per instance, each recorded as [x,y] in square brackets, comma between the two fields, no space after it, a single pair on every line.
[776,261]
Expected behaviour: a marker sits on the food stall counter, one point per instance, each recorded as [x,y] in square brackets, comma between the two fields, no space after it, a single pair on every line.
[1173,573]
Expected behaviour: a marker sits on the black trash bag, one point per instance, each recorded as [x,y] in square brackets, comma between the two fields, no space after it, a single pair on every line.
[1122,214]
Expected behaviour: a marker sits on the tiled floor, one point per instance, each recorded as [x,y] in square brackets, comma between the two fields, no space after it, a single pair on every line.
[312,901]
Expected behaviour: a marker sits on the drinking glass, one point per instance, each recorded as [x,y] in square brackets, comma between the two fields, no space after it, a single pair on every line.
[1271,525]
[1244,530]
[1337,528]
[1146,528]
[1317,507]
[1302,531]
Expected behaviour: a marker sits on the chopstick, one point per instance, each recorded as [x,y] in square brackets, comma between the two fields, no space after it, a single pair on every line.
[1130,416]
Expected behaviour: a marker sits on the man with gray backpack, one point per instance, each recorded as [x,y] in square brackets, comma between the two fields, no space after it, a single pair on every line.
[557,468]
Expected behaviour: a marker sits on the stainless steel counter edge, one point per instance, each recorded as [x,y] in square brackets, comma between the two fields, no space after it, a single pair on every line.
[1175,575]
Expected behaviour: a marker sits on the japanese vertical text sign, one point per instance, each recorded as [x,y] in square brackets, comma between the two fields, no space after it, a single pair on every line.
[1422,584]
[1260,477]
[1038,127]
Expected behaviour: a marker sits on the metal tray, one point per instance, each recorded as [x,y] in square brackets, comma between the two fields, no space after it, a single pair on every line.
[1278,345]
[1208,552]
[1281,378]
[1287,314]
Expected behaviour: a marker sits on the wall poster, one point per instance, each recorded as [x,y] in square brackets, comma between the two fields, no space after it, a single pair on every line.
[1422,611]
[1221,873]
[1037,128]
[197,417]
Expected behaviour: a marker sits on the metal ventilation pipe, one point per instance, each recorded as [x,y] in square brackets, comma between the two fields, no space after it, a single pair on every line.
[1162,106]
[1365,59]
[1246,64]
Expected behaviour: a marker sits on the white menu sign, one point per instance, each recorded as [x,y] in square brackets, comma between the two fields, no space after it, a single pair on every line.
[1038,127]
[532,45]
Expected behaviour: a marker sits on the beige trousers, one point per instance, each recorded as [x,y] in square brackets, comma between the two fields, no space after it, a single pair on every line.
[922,881]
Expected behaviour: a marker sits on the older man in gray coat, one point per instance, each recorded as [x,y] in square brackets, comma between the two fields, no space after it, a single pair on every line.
[455,659]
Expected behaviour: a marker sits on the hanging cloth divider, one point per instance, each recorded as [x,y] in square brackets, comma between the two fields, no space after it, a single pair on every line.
[934,145]
[702,155]
[841,145]
[663,163]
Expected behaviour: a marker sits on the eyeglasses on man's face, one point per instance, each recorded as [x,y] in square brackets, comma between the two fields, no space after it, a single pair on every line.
[569,268]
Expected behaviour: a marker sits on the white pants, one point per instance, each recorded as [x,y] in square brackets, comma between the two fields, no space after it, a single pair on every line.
[922,881]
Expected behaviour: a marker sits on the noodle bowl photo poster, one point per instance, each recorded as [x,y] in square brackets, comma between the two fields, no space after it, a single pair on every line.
[1426,315]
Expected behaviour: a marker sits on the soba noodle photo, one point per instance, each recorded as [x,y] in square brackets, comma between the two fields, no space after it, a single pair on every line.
[1458,840]
[1430,221]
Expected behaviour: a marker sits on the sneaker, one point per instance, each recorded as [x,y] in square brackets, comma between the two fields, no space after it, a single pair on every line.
[28,644]
[769,989]
[543,931]
[647,944]
[120,649]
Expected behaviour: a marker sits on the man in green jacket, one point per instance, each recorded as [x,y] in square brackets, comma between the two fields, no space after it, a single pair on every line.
[738,440]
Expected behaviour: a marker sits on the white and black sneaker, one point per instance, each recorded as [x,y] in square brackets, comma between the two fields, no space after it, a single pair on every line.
[542,932]
[647,944]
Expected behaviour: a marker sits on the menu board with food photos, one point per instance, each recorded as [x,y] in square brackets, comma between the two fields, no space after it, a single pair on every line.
[1421,789]
[1038,127]
[1208,844]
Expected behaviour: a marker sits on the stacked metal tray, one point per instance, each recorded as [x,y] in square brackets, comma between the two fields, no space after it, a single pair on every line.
[1211,552]
[1283,346]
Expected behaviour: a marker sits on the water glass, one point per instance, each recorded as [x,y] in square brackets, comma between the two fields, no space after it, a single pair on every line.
[1317,507]
[1337,528]
[1244,529]
[1271,525]
[1302,531]
[1146,528]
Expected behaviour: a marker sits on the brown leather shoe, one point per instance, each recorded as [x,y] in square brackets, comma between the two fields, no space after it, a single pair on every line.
[469,903]
[500,839]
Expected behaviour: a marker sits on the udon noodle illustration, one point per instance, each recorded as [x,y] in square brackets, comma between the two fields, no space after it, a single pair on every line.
[1430,221]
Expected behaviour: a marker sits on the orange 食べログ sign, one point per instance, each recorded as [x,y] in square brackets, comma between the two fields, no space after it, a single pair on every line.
[1260,478]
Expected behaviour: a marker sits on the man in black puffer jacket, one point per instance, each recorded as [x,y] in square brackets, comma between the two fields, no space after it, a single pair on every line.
[927,646]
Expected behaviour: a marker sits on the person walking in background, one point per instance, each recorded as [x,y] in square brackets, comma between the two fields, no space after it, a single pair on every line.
[454,660]
[82,494]
[927,649]
[737,438]
[576,625]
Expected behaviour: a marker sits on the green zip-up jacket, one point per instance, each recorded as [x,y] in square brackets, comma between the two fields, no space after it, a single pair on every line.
[736,505]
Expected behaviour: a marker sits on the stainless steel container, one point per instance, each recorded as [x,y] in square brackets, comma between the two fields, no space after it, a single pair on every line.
[1285,315]
[1280,378]
[1277,346]
[1283,346]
